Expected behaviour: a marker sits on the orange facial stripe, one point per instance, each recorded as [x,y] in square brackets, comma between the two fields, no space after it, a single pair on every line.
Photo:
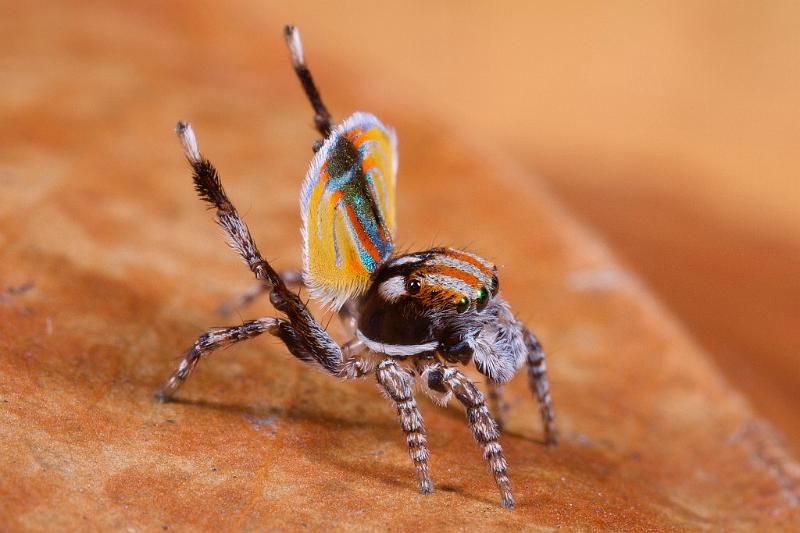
[453,272]
[438,294]
[471,260]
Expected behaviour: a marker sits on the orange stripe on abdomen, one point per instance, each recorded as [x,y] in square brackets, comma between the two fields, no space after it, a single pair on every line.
[363,238]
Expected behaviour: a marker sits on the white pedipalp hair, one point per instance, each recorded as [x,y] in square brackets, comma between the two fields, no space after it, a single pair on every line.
[499,349]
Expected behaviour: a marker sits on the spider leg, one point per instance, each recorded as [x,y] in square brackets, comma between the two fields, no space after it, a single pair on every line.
[398,384]
[348,314]
[292,278]
[207,343]
[502,347]
[322,118]
[499,406]
[353,365]
[483,427]
[540,385]
[304,337]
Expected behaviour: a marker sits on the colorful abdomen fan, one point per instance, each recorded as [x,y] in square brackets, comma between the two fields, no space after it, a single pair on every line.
[348,209]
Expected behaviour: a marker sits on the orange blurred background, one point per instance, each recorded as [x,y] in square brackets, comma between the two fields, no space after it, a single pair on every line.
[671,128]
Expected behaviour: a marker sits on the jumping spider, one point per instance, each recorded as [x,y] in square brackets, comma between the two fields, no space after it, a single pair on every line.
[411,315]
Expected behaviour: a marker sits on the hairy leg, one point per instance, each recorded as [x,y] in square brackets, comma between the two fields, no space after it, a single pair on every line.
[540,385]
[497,403]
[398,384]
[322,118]
[483,427]
[356,361]
[207,343]
[303,336]
[292,278]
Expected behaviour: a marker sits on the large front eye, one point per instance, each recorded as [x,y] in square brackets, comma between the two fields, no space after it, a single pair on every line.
[482,299]
[462,305]
[413,286]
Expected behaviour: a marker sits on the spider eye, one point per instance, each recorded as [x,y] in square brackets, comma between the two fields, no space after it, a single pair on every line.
[413,286]
[495,285]
[482,299]
[462,304]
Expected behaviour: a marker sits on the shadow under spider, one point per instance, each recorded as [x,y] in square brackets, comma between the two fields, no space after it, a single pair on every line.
[292,413]
[382,472]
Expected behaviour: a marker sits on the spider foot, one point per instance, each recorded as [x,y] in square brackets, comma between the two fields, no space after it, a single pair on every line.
[164,393]
[550,436]
[162,396]
[508,501]
[425,486]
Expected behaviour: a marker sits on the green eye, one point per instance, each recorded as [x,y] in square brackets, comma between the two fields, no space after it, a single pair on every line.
[462,305]
[482,299]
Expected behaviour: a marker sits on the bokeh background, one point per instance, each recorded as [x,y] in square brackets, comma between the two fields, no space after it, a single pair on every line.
[671,128]
[668,128]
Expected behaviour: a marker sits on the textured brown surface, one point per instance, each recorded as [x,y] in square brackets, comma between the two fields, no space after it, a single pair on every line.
[127,266]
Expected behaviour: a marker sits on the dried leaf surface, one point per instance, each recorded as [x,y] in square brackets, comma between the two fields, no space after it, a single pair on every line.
[122,268]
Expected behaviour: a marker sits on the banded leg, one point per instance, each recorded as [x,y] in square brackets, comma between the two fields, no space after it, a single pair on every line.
[292,278]
[207,343]
[355,363]
[483,427]
[398,384]
[305,338]
[540,385]
[497,403]
[322,118]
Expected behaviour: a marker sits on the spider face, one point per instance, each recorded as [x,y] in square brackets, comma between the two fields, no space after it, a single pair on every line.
[426,301]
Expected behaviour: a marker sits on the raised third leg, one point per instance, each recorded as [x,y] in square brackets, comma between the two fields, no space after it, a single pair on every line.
[292,278]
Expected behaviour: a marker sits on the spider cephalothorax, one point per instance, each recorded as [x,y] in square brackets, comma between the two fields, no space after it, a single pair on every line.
[427,301]
[417,314]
